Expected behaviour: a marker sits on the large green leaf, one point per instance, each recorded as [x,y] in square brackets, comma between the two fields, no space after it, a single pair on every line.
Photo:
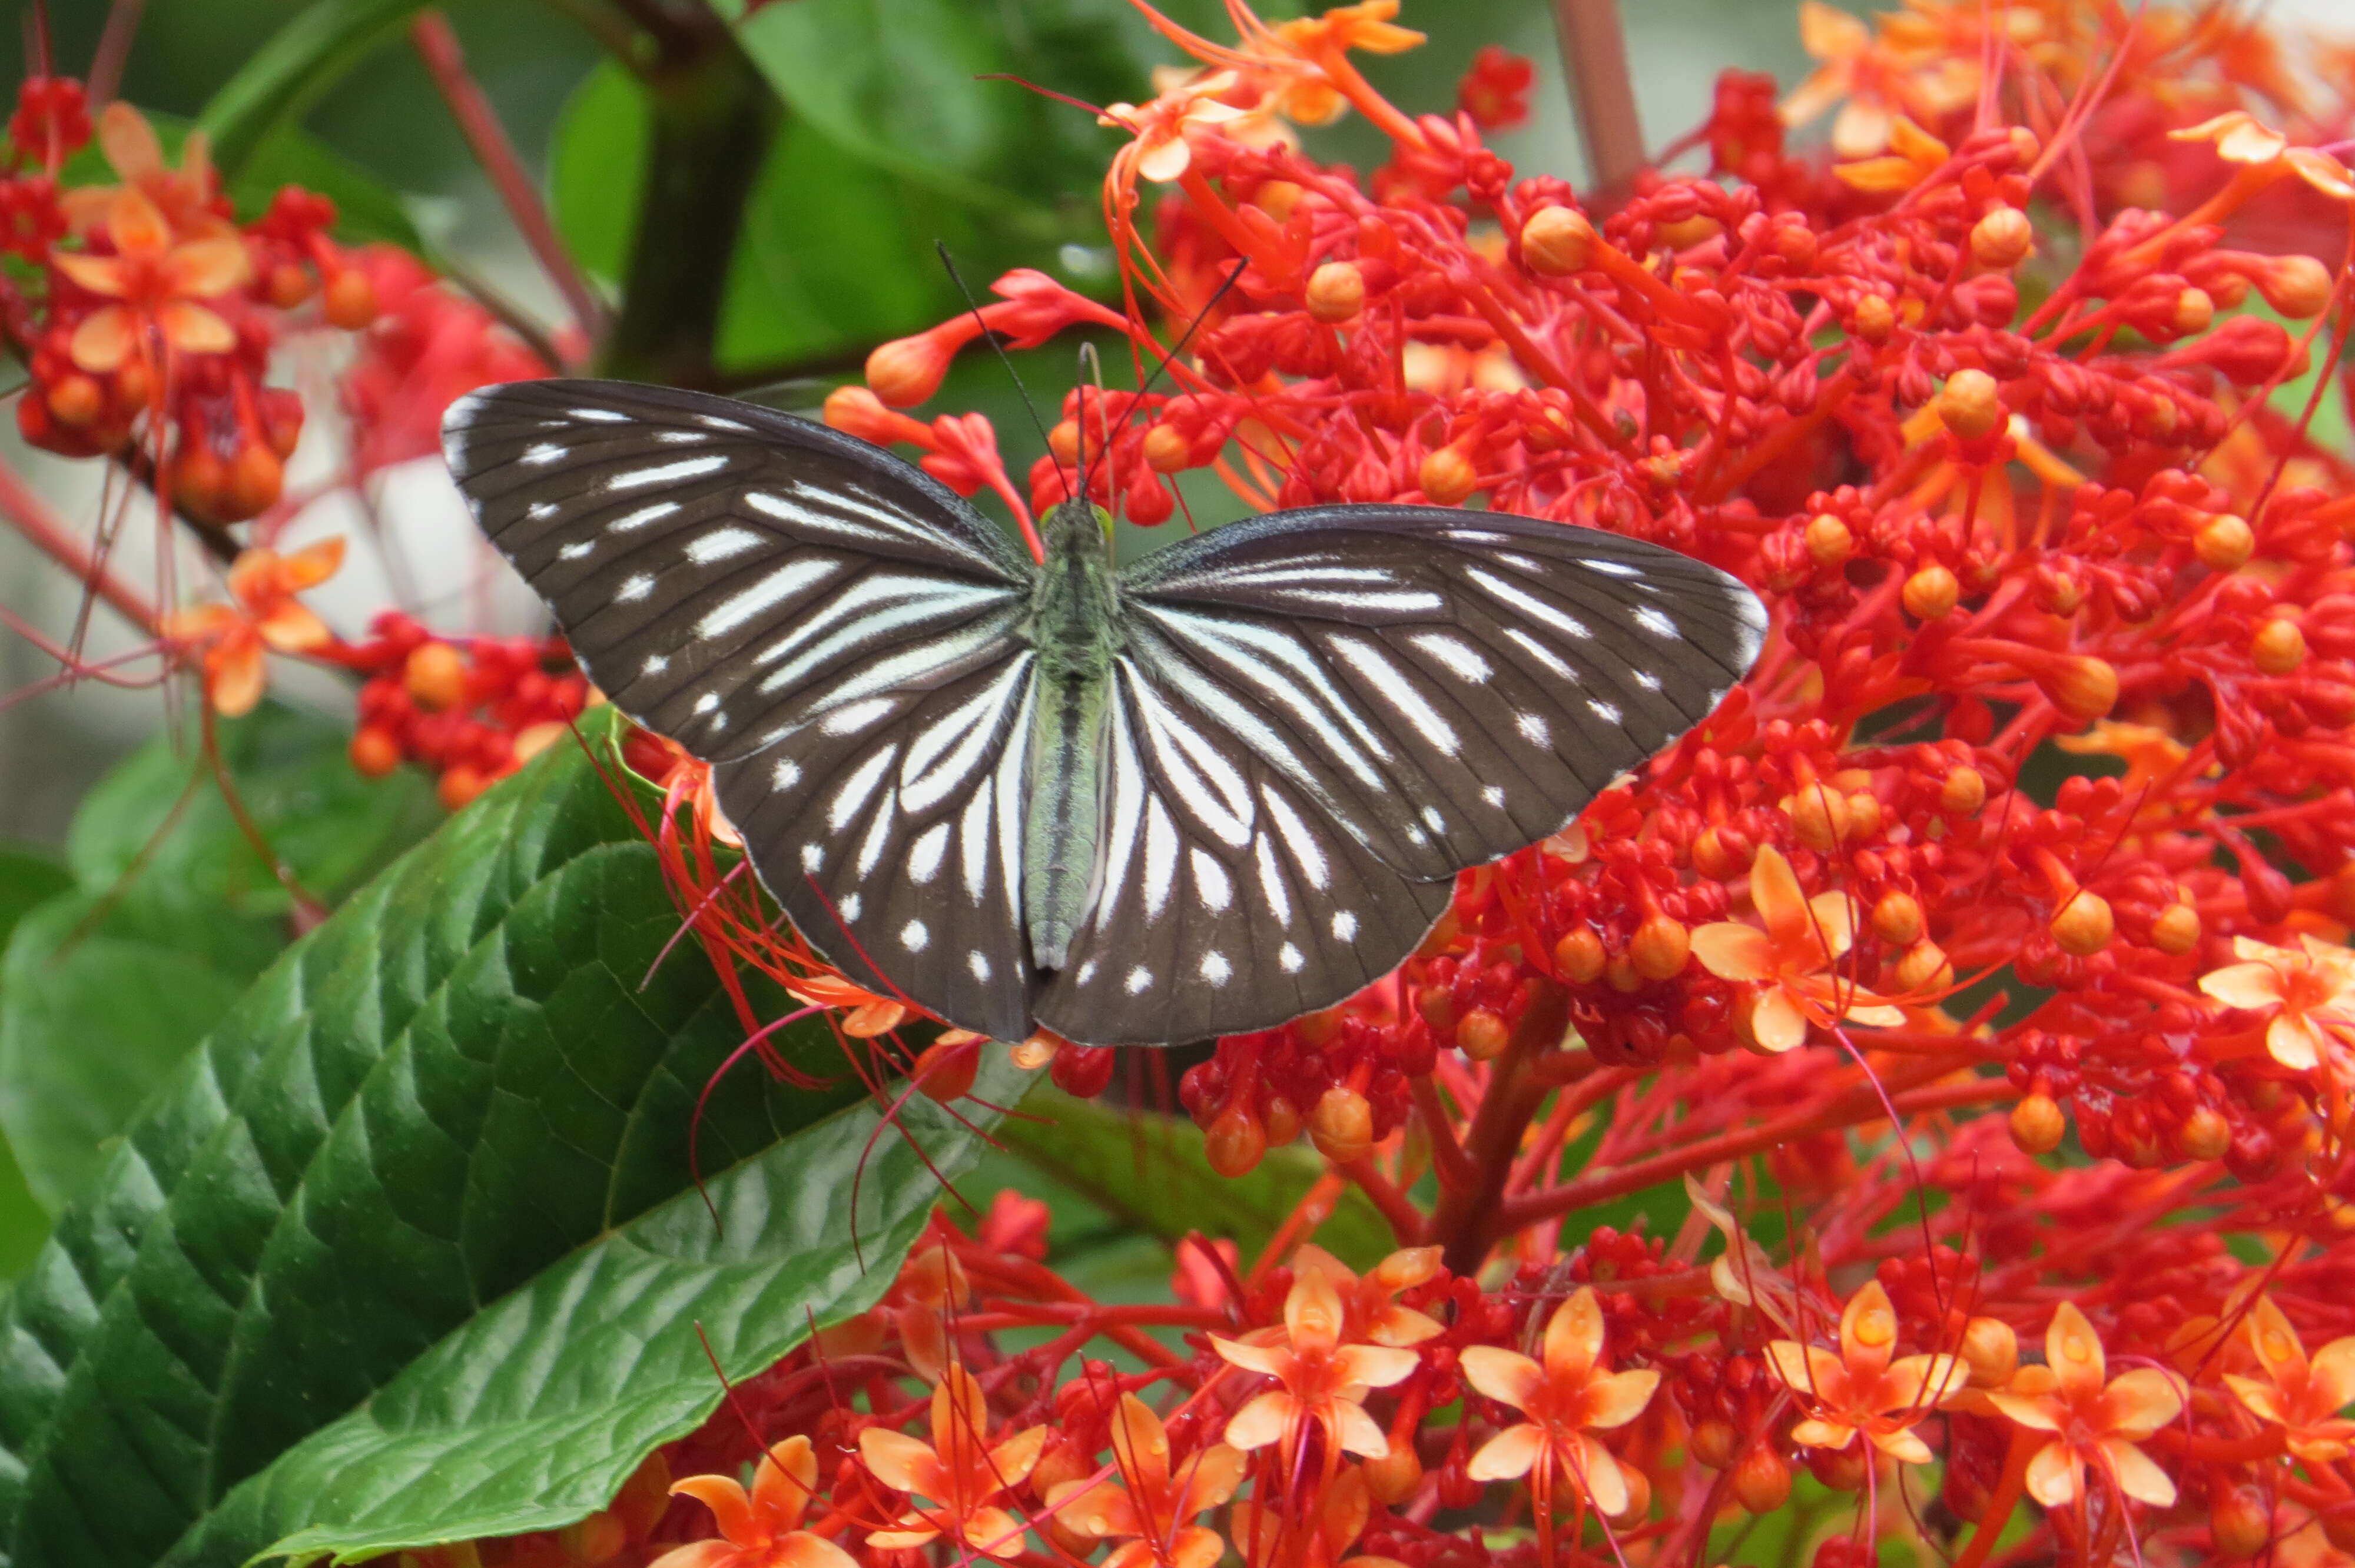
[423,1198]
[29,878]
[1150,1170]
[293,67]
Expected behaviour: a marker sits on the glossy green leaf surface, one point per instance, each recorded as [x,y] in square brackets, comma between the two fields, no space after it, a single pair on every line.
[424,1199]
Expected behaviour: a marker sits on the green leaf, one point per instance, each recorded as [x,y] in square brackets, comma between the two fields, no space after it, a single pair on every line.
[424,1199]
[292,775]
[1150,1170]
[597,169]
[100,999]
[28,877]
[292,69]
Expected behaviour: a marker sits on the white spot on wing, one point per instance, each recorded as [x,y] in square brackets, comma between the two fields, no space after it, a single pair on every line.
[1391,685]
[1087,971]
[813,857]
[1288,958]
[575,550]
[706,703]
[1533,729]
[858,789]
[1530,605]
[655,664]
[541,511]
[1210,881]
[1139,980]
[599,416]
[852,717]
[1493,795]
[914,936]
[1605,711]
[679,438]
[631,521]
[785,774]
[924,856]
[1658,625]
[1215,968]
[665,472]
[1345,925]
[1458,657]
[978,962]
[634,587]
[546,453]
[720,544]
[1615,568]
[849,906]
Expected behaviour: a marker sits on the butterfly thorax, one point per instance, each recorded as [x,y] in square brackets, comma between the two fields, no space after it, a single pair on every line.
[1073,633]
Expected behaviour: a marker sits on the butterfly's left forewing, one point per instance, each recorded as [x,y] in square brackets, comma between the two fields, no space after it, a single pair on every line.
[833,629]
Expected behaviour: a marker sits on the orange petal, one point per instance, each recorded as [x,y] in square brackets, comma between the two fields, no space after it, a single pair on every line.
[1373,1366]
[1406,1269]
[1403,1326]
[98,274]
[2027,1410]
[1918,1382]
[803,1549]
[314,564]
[699,1554]
[1775,894]
[1194,1547]
[900,1462]
[235,675]
[207,267]
[2137,1475]
[1903,1445]
[193,329]
[2293,1042]
[731,1511]
[1209,1479]
[1818,1432]
[1598,1474]
[2073,1351]
[1011,1462]
[1776,1022]
[129,142]
[2055,1475]
[1163,155]
[1829,33]
[1831,919]
[1094,1508]
[291,628]
[2275,1342]
[1730,950]
[2252,985]
[106,338]
[1358,1433]
[1809,1370]
[1261,1422]
[2142,1401]
[2332,1378]
[2261,1397]
[1312,1312]
[1502,1374]
[782,1484]
[1868,1331]
[136,224]
[1511,1454]
[1574,1336]
[913,1532]
[1140,1443]
[1862,129]
[1616,1400]
[1266,1359]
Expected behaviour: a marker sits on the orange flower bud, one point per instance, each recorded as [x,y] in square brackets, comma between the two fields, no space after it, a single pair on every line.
[76,399]
[1762,1481]
[436,675]
[1990,1350]
[1713,858]
[534,738]
[945,1072]
[1579,956]
[1970,405]
[856,411]
[1684,233]
[1336,291]
[1660,948]
[351,299]
[1342,1125]
[2193,311]
[1874,320]
[1447,476]
[1863,810]
[2082,687]
[1482,1034]
[1233,1143]
[2205,1134]
[255,478]
[2083,925]
[2239,1520]
[1639,1497]
[1713,1442]
[2176,930]
[1064,441]
[1829,542]
[2001,239]
[2224,543]
[1929,593]
[460,785]
[1396,1476]
[1924,968]
[1166,452]
[2279,646]
[375,752]
[287,286]
[1964,791]
[1620,975]
[1897,918]
[2296,286]
[1556,241]
[1276,198]
[1819,816]
[1280,1119]
[907,370]
[2037,1124]
[198,475]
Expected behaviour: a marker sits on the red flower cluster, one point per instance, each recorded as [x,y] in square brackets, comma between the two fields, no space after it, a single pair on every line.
[471,709]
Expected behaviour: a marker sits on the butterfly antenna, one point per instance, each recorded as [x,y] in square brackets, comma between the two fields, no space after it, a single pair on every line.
[1092,372]
[1191,327]
[992,338]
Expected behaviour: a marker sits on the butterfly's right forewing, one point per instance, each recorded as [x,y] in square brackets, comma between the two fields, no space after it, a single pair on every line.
[833,631]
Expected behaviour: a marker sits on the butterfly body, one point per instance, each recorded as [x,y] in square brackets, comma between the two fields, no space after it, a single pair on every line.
[1203,793]
[1074,630]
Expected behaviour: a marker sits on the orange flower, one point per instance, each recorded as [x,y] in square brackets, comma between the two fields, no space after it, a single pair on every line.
[1313,99]
[1160,152]
[2310,994]
[1566,1398]
[2303,1397]
[2095,1419]
[266,615]
[1368,1313]
[868,1014]
[1791,957]
[157,284]
[1151,1509]
[184,195]
[1325,1381]
[961,1477]
[1862,1389]
[2241,137]
[1914,155]
[1925,64]
[762,1529]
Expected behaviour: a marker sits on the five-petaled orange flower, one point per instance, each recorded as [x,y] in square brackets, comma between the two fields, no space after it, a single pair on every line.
[1791,958]
[2311,995]
[1323,41]
[2241,137]
[2095,1419]
[1367,1311]
[1566,1398]
[186,194]
[2303,1397]
[266,615]
[1150,1510]
[1862,1389]
[1325,1381]
[760,1529]
[957,1472]
[156,284]
[1160,152]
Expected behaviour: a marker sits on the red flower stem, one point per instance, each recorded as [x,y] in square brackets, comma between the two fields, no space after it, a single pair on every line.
[47,533]
[1447,1160]
[1858,1106]
[1469,1219]
[1601,90]
[1783,437]
[1405,1219]
[437,45]
[2004,1500]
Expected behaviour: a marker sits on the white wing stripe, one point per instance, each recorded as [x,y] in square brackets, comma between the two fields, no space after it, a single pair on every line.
[1394,686]
[860,787]
[1530,605]
[773,590]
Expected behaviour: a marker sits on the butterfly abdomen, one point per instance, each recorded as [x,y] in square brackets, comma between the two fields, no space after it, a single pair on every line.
[1075,632]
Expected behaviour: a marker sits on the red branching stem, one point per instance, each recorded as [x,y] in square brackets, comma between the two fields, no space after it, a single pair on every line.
[1405,1220]
[437,44]
[47,533]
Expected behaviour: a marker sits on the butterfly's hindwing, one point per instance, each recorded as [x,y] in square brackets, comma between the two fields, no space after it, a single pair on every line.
[1226,900]
[1446,686]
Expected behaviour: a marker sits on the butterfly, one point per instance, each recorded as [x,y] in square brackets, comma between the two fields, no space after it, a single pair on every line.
[1200,794]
